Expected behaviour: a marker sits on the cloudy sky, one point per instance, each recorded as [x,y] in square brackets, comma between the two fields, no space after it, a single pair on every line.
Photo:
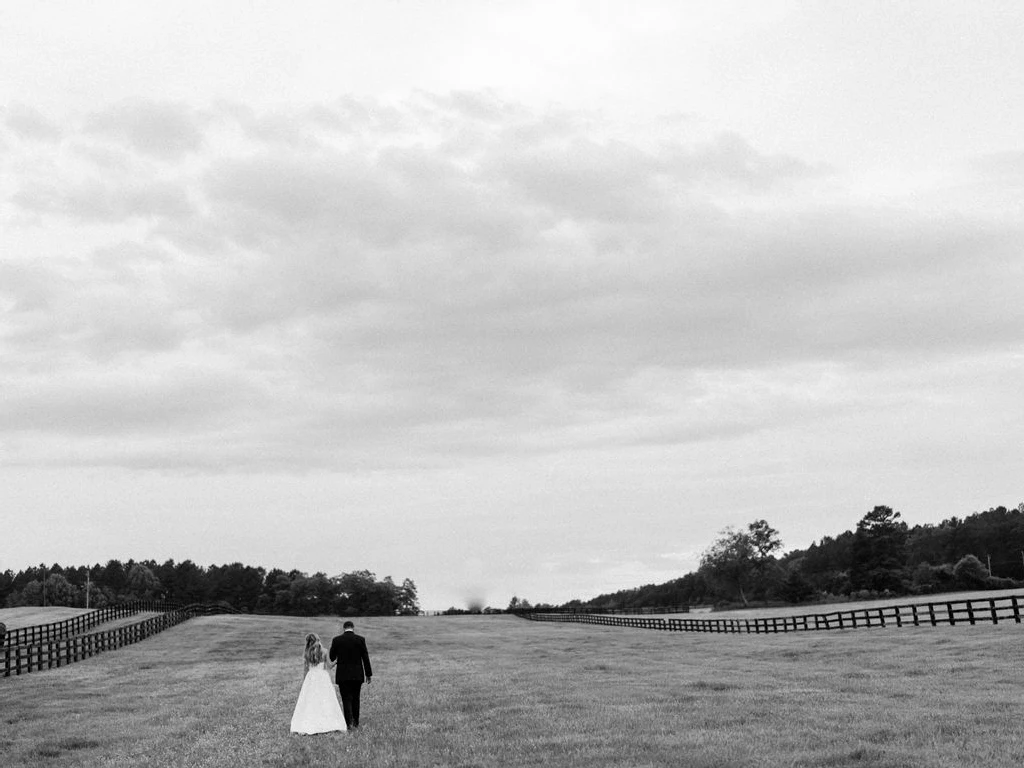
[509,298]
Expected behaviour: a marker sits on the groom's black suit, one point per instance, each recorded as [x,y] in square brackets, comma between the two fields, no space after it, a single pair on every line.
[349,650]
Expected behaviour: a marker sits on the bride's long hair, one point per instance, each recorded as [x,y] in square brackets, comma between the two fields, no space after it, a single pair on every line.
[314,653]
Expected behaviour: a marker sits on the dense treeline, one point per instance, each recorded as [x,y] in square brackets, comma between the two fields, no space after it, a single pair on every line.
[247,588]
[882,557]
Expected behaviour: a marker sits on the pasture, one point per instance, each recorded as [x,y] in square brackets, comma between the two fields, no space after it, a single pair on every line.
[28,615]
[848,605]
[500,691]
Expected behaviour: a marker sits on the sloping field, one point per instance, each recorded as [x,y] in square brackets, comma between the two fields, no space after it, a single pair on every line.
[501,691]
[29,615]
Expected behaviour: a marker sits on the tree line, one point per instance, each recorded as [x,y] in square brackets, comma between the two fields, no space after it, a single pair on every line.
[247,588]
[881,557]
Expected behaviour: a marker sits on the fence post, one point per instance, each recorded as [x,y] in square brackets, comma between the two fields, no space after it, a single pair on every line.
[949,612]
[992,606]
[1016,609]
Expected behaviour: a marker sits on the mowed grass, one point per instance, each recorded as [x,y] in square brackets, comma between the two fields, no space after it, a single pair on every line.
[502,691]
[30,615]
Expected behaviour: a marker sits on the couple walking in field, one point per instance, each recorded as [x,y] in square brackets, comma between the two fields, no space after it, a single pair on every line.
[317,709]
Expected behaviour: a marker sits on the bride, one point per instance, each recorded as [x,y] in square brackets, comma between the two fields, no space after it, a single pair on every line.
[317,709]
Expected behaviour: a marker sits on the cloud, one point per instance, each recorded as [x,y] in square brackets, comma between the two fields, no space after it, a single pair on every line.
[409,283]
[29,123]
[163,130]
[106,200]
[730,159]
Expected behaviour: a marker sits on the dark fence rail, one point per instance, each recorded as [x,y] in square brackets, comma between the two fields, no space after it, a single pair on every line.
[57,650]
[951,612]
[76,625]
[641,611]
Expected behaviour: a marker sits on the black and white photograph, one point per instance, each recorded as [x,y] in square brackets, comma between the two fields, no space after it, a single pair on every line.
[491,383]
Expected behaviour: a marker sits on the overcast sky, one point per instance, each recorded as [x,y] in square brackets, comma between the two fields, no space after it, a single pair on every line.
[508,298]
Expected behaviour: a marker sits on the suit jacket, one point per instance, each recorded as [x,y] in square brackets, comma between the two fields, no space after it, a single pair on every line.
[349,650]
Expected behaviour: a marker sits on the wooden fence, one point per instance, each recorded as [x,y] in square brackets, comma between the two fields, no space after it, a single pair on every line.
[56,645]
[953,612]
[76,625]
[645,610]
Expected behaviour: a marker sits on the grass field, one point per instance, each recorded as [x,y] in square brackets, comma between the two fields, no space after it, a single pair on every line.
[29,615]
[501,691]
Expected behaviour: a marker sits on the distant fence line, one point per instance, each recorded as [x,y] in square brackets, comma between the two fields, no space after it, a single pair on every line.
[643,611]
[46,646]
[84,621]
[79,624]
[952,612]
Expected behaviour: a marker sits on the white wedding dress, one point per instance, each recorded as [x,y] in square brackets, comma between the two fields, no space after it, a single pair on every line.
[317,709]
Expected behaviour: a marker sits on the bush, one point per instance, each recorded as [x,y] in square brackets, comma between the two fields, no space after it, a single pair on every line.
[970,572]
[933,578]
[1000,582]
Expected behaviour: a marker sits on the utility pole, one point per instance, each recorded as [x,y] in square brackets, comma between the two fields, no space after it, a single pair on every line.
[989,564]
[86,590]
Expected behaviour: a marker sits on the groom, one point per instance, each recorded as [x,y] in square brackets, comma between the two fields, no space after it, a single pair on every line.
[349,650]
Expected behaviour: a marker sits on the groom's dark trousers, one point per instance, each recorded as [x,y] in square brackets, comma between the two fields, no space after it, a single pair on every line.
[350,701]
[349,650]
